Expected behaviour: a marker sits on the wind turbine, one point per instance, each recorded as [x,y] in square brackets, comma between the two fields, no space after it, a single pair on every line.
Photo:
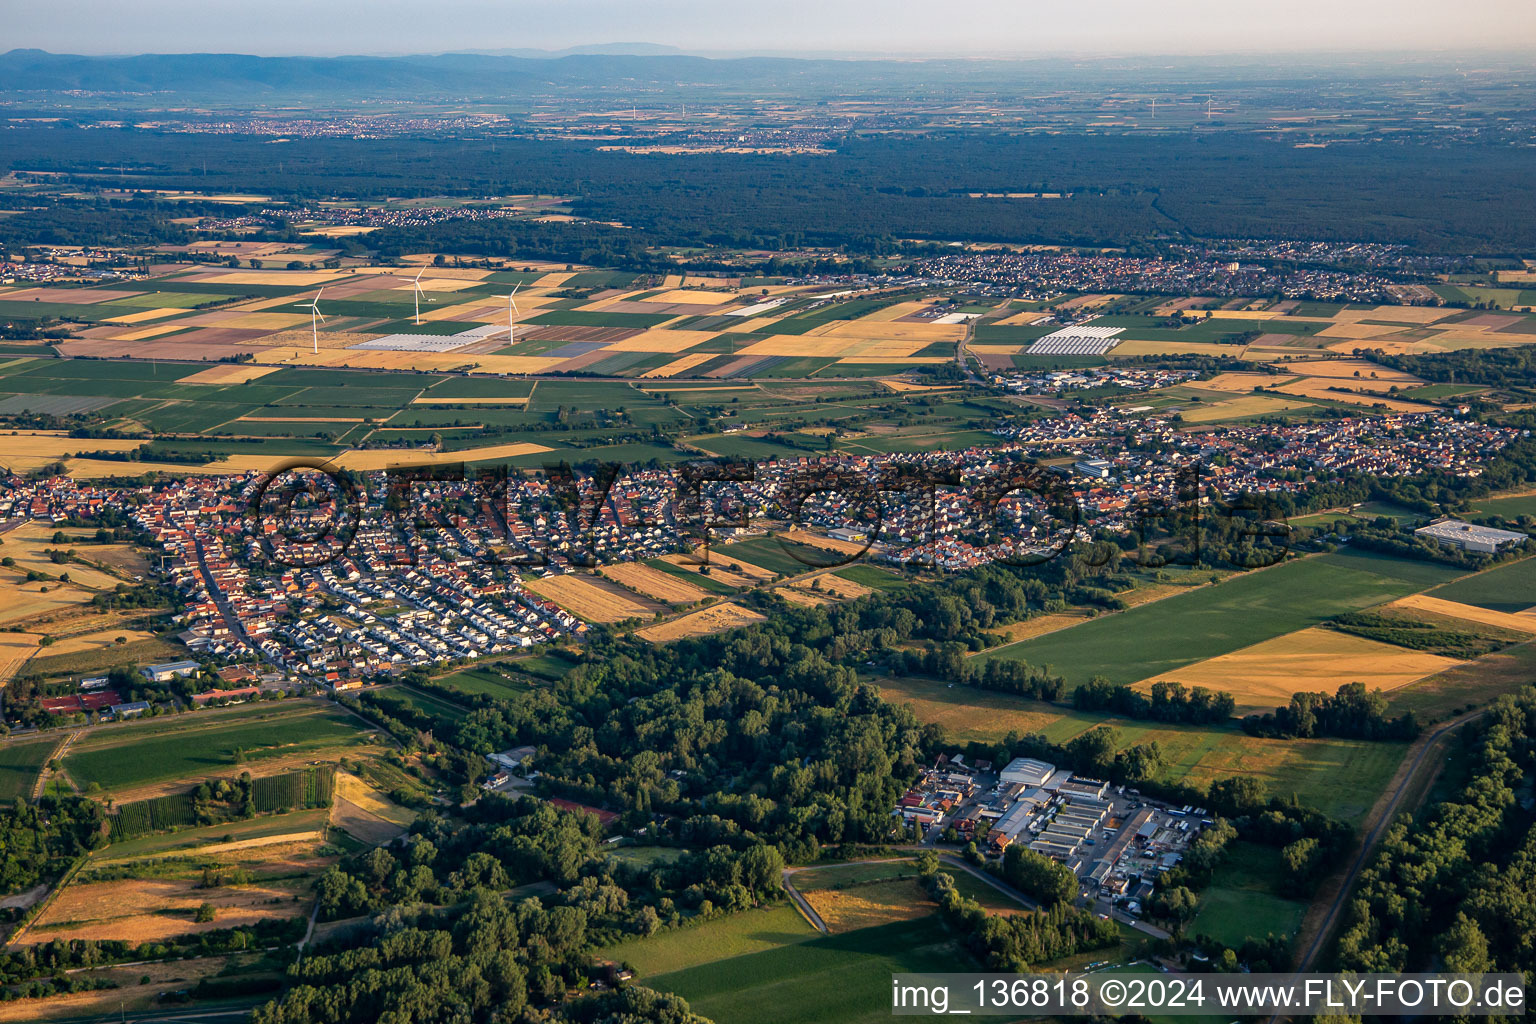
[1154,108]
[416,284]
[315,317]
[1208,102]
[512,310]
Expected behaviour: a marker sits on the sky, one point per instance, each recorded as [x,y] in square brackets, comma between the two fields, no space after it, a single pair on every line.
[917,27]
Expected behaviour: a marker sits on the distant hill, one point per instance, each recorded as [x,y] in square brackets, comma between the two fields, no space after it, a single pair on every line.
[243,78]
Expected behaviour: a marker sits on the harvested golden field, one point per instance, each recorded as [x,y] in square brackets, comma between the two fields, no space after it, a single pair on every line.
[364,459]
[654,583]
[693,296]
[1174,348]
[1040,625]
[832,583]
[679,366]
[511,364]
[1087,301]
[902,387]
[870,904]
[1521,622]
[846,547]
[21,600]
[1234,408]
[96,469]
[1313,659]
[15,650]
[371,800]
[721,560]
[1245,314]
[97,640]
[1023,319]
[1398,314]
[716,571]
[151,910]
[363,812]
[1357,330]
[659,339]
[1321,387]
[894,312]
[1239,383]
[266,321]
[805,597]
[332,346]
[1346,370]
[228,373]
[966,712]
[146,332]
[29,545]
[145,315]
[703,622]
[592,599]
[864,330]
[798,345]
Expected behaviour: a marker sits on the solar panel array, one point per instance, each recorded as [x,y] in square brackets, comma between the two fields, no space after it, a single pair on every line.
[1077,341]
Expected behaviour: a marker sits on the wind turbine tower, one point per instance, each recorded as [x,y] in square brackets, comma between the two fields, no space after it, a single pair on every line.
[416,293]
[512,311]
[316,318]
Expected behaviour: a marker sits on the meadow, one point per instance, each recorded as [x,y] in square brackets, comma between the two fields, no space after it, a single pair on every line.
[408,703]
[751,931]
[1242,899]
[844,979]
[203,744]
[1505,588]
[1339,777]
[483,680]
[20,763]
[1157,638]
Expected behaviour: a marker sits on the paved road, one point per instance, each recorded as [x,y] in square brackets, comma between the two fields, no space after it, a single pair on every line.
[231,620]
[804,904]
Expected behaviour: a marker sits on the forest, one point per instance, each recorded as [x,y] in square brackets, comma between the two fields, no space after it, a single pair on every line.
[1352,713]
[871,191]
[1452,887]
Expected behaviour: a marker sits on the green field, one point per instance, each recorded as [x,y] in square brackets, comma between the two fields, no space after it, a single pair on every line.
[646,855]
[1506,588]
[1509,508]
[771,554]
[483,680]
[1242,900]
[751,931]
[444,713]
[19,765]
[192,747]
[229,831]
[1245,609]
[837,979]
[872,577]
[1340,777]
[710,584]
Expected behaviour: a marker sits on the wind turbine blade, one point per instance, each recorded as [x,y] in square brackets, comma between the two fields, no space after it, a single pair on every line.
[423,270]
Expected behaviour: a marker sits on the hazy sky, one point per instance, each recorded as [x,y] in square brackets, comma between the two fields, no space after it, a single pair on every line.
[1023,27]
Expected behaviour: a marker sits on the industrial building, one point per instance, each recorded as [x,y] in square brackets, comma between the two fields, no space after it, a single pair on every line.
[1469,537]
[1026,771]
